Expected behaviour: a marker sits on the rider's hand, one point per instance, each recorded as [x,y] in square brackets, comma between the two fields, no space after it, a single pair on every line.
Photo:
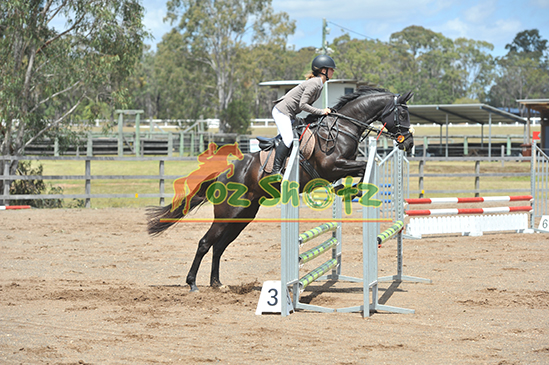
[326,111]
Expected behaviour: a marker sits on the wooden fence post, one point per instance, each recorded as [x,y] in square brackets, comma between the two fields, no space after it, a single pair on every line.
[137,144]
[192,144]
[477,178]
[421,176]
[170,144]
[161,181]
[181,144]
[89,147]
[56,147]
[88,183]
[502,156]
[7,165]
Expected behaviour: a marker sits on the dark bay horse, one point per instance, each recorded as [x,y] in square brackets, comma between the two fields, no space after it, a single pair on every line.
[334,157]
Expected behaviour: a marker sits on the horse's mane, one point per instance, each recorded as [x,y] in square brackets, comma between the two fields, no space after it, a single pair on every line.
[363,90]
[345,99]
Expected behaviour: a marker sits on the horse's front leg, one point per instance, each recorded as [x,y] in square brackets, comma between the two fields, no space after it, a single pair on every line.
[354,168]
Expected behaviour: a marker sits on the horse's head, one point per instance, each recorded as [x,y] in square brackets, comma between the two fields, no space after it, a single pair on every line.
[369,104]
[396,119]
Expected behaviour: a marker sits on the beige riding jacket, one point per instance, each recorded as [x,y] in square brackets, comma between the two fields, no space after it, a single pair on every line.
[301,98]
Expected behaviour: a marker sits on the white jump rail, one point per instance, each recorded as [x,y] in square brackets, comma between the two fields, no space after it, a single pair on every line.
[456,220]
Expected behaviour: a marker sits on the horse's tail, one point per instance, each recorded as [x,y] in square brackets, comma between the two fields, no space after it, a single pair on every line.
[160,219]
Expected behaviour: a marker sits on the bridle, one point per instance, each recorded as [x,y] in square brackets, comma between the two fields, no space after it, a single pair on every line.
[396,120]
[365,125]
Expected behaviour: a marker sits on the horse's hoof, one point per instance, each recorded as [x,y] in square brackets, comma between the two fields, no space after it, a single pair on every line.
[220,287]
[194,288]
[215,283]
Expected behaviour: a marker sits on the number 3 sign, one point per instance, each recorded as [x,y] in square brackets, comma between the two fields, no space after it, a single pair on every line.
[269,300]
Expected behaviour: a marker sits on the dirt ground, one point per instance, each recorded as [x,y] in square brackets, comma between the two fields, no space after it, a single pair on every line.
[91,287]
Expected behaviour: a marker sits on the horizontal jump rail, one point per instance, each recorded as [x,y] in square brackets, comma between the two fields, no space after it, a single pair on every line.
[390,232]
[316,273]
[468,211]
[470,199]
[13,207]
[317,251]
[317,231]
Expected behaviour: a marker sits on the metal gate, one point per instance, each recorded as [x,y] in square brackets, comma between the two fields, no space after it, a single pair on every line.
[388,183]
[539,169]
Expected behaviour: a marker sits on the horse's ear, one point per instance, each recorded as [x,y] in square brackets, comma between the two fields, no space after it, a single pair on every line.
[404,98]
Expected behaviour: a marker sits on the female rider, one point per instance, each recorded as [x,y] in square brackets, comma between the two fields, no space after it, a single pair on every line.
[300,98]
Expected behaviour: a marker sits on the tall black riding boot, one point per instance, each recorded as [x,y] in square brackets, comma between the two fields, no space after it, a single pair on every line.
[280,157]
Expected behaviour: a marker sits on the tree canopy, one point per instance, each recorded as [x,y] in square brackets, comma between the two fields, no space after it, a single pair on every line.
[62,57]
[215,32]
[523,73]
[199,79]
[81,59]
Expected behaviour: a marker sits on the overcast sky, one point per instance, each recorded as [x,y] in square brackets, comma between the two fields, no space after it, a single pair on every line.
[495,21]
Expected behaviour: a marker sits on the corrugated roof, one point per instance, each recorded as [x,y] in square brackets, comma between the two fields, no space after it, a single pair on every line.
[461,113]
[535,104]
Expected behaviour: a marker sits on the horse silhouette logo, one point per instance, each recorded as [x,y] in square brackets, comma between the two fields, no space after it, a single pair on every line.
[211,163]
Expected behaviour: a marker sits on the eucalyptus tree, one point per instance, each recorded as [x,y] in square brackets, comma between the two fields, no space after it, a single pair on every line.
[444,70]
[476,67]
[217,34]
[58,56]
[269,62]
[434,77]
[523,72]
[359,59]
[529,44]
[143,86]
[180,81]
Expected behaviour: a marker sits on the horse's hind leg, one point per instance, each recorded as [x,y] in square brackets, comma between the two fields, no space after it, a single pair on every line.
[232,231]
[247,215]
[214,234]
[220,235]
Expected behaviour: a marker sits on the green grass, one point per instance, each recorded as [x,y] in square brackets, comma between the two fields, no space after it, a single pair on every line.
[183,168]
[116,186]
[465,183]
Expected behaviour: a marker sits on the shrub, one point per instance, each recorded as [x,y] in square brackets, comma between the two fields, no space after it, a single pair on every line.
[37,187]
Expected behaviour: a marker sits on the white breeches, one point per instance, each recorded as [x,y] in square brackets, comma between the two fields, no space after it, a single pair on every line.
[284,125]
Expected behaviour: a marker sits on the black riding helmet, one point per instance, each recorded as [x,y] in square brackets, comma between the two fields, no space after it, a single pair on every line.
[320,62]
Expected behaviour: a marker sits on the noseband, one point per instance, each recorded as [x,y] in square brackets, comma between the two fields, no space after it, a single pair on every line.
[396,121]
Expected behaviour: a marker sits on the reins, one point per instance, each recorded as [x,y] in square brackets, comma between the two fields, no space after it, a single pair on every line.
[365,125]
[334,129]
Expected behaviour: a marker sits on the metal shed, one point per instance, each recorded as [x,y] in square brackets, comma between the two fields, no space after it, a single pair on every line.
[483,114]
[541,106]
